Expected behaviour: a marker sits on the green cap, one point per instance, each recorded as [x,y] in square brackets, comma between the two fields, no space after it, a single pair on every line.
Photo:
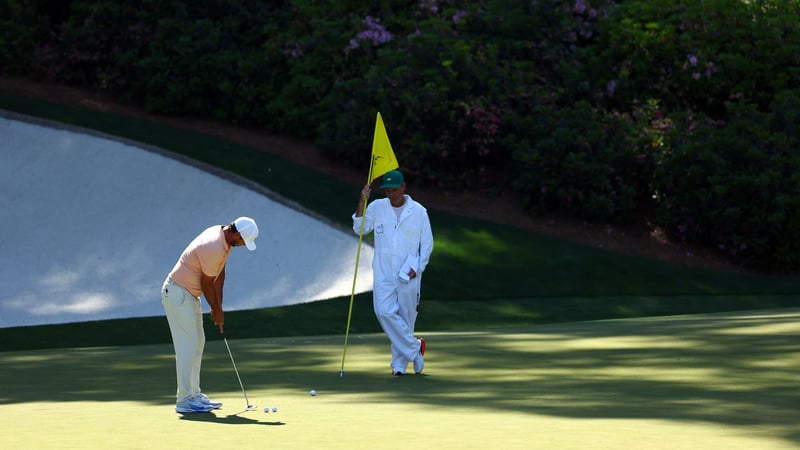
[392,179]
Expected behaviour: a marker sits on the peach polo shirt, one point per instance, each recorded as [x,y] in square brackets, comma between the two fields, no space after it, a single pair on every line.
[206,254]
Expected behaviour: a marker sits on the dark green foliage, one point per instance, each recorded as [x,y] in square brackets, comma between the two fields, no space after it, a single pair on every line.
[699,56]
[94,45]
[446,86]
[22,28]
[736,185]
[578,161]
[576,105]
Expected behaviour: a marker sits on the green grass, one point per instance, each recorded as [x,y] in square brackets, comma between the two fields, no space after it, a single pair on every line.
[481,274]
[516,356]
[680,382]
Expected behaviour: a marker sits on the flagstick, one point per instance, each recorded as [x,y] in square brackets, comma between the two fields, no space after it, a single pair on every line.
[381,151]
[355,275]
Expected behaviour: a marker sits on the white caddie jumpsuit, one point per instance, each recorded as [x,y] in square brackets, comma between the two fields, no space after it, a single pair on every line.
[394,301]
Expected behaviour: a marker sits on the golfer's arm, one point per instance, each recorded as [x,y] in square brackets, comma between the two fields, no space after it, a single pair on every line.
[209,286]
[218,284]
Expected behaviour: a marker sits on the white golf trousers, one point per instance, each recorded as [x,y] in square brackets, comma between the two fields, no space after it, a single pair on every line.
[396,310]
[186,326]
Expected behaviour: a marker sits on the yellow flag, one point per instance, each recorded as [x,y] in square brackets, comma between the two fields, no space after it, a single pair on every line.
[383,159]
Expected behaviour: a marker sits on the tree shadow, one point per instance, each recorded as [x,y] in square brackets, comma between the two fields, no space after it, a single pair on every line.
[734,369]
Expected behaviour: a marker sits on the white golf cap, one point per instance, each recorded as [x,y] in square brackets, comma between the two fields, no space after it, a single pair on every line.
[248,229]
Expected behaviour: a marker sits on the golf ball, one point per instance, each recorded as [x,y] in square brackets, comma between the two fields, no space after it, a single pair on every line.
[313,392]
[274,409]
[266,410]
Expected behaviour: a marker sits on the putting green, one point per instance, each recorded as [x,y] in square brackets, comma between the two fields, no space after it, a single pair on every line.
[706,381]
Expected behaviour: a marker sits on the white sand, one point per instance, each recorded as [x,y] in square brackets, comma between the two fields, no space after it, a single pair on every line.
[93,224]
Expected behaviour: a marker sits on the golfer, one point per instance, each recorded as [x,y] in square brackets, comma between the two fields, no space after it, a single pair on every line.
[403,245]
[200,271]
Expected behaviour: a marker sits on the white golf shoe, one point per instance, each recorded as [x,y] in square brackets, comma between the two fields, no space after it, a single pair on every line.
[207,401]
[419,361]
[193,405]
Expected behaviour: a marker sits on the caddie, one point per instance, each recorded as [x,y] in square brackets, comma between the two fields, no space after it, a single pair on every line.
[403,246]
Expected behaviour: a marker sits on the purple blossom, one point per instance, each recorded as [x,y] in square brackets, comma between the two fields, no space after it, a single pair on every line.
[460,14]
[710,69]
[295,50]
[611,87]
[585,29]
[375,34]
[430,5]
[692,59]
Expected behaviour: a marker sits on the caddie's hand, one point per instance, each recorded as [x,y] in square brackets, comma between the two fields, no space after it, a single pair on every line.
[366,191]
[412,274]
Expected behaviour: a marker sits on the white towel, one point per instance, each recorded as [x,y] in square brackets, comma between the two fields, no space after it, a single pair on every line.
[411,263]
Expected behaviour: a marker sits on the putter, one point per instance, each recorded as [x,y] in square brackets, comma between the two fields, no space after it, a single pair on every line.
[248,406]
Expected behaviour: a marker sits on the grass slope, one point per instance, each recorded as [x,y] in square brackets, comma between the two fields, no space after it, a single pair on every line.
[481,274]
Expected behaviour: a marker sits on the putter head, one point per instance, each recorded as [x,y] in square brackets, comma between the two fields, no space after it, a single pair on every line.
[251,407]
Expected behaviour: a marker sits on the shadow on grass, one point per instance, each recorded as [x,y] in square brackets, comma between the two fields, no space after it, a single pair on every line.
[330,316]
[230,419]
[735,369]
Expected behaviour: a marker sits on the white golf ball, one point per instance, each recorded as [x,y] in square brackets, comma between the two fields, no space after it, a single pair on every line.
[266,410]
[313,392]
[274,409]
